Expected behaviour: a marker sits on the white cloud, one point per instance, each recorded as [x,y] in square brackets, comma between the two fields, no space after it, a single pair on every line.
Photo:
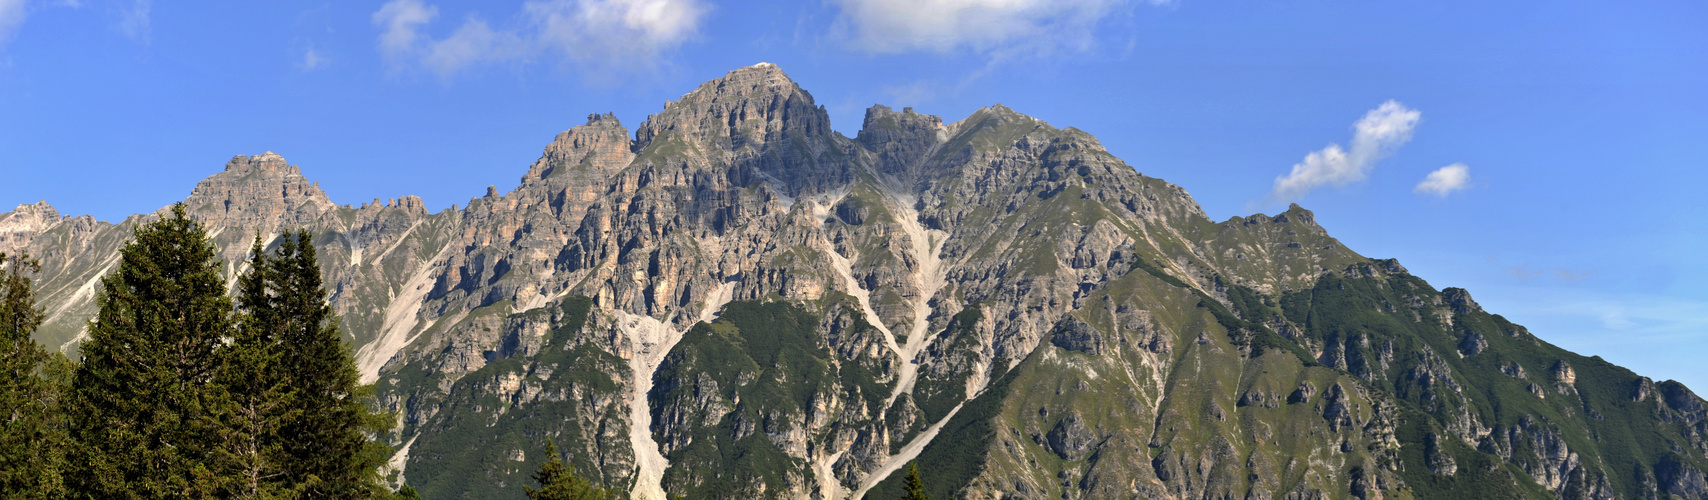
[402,19]
[889,26]
[12,15]
[597,32]
[134,21]
[1375,136]
[1445,180]
[312,59]
[614,31]
[472,43]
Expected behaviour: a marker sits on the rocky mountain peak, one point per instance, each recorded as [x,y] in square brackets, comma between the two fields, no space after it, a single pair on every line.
[266,162]
[1460,300]
[22,224]
[748,108]
[260,191]
[997,113]
[1298,214]
[607,119]
[28,213]
[900,139]
[596,150]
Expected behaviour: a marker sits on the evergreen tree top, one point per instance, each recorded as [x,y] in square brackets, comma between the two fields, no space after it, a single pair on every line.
[558,482]
[915,486]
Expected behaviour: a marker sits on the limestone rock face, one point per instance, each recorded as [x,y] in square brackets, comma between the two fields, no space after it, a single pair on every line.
[594,150]
[1075,335]
[258,191]
[1473,344]
[750,110]
[1460,301]
[19,227]
[739,302]
[900,139]
[1071,439]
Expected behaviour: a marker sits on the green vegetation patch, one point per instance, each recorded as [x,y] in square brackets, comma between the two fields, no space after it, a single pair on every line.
[764,363]
[958,454]
[467,449]
[1478,475]
[939,394]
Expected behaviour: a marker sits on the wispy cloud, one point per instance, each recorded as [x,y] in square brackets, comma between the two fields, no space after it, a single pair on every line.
[1035,26]
[609,32]
[1638,317]
[472,43]
[1523,273]
[1375,136]
[402,21]
[12,13]
[311,60]
[604,33]
[1656,335]
[134,20]
[1445,180]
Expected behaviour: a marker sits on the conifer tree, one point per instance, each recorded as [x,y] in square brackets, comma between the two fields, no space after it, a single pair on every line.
[329,418]
[137,414]
[557,482]
[250,400]
[31,434]
[407,492]
[915,487]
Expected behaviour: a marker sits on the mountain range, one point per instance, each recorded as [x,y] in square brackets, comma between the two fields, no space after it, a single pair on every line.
[734,300]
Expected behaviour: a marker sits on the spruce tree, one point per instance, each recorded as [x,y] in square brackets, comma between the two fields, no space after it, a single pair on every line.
[329,418]
[915,487]
[250,400]
[31,434]
[407,492]
[137,414]
[557,482]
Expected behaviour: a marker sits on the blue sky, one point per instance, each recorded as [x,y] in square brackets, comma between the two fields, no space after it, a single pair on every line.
[1577,127]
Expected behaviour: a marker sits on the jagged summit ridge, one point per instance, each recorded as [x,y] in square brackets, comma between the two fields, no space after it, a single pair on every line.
[737,302]
[269,161]
[597,150]
[261,191]
[20,226]
[743,108]
[737,119]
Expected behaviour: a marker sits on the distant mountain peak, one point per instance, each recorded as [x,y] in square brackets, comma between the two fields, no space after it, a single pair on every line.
[22,224]
[747,107]
[268,161]
[604,120]
[258,191]
[596,149]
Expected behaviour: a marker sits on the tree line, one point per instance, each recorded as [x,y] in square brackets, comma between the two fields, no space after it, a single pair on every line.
[186,392]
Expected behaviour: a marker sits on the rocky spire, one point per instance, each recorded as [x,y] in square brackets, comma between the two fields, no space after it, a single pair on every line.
[20,226]
[749,107]
[900,139]
[260,191]
[595,150]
